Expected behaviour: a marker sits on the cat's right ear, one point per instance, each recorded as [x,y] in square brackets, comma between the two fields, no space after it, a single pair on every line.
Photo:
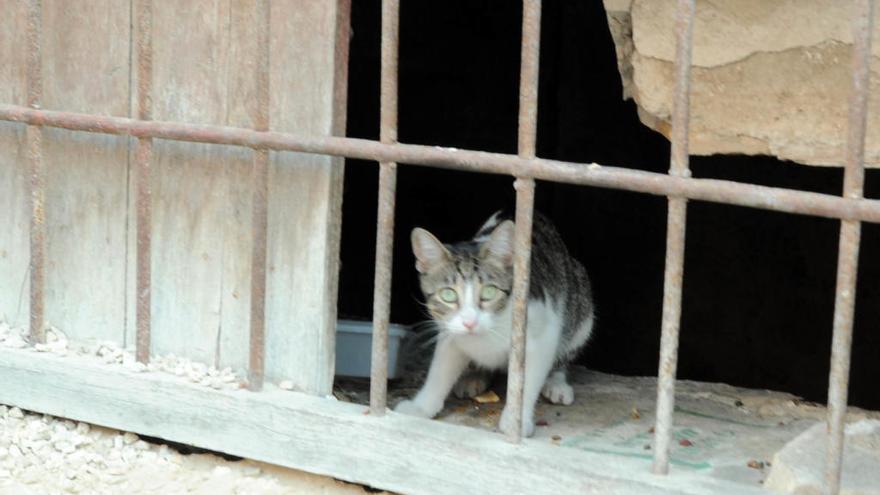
[429,251]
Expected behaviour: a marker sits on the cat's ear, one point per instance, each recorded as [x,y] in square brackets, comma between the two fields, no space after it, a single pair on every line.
[429,251]
[499,247]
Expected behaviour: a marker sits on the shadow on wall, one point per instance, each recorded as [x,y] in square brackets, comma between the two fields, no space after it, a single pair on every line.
[759,286]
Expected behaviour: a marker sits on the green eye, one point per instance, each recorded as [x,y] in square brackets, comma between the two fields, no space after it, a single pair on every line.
[488,292]
[448,295]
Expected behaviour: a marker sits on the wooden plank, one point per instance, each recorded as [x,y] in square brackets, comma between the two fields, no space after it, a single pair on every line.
[394,452]
[201,194]
[85,69]
[308,63]
[14,209]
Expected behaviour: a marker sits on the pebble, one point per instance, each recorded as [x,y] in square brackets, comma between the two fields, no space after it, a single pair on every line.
[16,413]
[286,385]
[64,447]
[15,341]
[221,470]
[252,471]
[82,428]
[129,438]
[117,443]
[3,411]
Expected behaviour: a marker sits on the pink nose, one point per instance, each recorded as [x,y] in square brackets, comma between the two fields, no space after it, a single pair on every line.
[469,324]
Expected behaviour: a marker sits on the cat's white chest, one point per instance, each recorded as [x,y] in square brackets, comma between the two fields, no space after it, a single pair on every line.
[491,348]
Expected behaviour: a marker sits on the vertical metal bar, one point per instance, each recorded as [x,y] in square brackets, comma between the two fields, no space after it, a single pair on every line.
[33,137]
[525,203]
[143,201]
[675,240]
[848,254]
[525,200]
[256,358]
[385,220]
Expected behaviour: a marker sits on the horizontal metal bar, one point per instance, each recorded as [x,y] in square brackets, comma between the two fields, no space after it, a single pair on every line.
[717,191]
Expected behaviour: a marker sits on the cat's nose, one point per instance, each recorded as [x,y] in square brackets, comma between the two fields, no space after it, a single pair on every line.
[469,324]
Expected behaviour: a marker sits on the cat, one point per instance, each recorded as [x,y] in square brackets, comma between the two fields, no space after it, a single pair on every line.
[467,289]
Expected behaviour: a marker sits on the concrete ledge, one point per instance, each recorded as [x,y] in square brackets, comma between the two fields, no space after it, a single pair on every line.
[324,436]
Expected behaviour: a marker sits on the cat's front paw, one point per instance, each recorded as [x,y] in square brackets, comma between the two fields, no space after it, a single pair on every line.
[411,408]
[506,424]
[558,392]
[471,385]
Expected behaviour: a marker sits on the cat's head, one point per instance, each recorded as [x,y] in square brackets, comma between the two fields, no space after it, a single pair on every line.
[466,285]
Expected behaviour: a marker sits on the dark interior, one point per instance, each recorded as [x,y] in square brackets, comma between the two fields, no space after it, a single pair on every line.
[759,285]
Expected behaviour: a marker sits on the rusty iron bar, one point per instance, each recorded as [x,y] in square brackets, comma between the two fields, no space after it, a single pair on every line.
[33,138]
[675,240]
[260,220]
[588,174]
[143,184]
[522,250]
[848,253]
[385,215]
[525,205]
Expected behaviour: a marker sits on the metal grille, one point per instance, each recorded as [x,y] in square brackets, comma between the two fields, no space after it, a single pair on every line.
[678,186]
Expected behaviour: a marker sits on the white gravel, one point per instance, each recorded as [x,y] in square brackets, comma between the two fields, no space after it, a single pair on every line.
[44,455]
[111,353]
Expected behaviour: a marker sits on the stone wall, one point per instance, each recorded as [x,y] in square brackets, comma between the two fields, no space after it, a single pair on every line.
[769,77]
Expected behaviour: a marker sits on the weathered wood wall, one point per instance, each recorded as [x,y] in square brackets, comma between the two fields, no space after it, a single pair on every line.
[204,60]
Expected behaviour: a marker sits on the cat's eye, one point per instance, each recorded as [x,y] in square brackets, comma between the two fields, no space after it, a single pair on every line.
[488,292]
[448,295]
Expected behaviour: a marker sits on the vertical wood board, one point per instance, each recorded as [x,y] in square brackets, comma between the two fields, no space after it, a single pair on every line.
[14,209]
[201,194]
[85,65]
[305,192]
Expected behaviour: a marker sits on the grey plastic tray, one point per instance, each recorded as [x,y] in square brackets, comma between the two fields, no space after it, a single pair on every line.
[354,341]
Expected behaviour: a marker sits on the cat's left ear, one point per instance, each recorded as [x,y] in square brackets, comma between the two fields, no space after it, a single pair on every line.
[499,247]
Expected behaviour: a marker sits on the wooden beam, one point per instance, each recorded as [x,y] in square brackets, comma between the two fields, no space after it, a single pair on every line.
[394,452]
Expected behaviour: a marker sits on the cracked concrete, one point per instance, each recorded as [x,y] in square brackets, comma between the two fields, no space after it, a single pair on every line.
[769,78]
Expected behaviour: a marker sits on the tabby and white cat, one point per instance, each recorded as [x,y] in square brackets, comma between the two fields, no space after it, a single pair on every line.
[467,289]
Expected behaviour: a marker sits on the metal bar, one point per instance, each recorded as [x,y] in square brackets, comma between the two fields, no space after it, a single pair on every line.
[522,250]
[525,204]
[33,138]
[260,221]
[675,241]
[385,220]
[143,202]
[848,254]
[589,174]
[530,52]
